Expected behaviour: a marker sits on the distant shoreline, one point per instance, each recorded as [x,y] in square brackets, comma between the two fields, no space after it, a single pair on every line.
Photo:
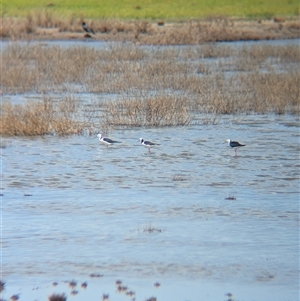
[190,32]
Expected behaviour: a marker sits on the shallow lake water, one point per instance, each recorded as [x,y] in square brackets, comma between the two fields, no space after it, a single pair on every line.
[190,215]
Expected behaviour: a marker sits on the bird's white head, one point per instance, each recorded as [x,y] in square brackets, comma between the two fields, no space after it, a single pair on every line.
[228,141]
[141,140]
[99,136]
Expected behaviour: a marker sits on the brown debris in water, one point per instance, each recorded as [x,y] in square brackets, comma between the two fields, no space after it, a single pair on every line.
[230,198]
[105,297]
[72,283]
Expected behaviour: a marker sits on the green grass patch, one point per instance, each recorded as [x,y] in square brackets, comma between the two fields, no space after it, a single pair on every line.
[152,9]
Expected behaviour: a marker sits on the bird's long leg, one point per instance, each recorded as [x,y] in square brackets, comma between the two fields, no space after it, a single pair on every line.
[235,153]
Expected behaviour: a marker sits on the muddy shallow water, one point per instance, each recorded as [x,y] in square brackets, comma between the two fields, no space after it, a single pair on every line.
[190,215]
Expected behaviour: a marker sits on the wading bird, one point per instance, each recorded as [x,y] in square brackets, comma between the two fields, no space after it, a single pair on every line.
[148,144]
[107,141]
[234,144]
[87,29]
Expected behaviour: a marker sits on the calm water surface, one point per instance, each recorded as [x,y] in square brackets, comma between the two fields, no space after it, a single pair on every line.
[72,207]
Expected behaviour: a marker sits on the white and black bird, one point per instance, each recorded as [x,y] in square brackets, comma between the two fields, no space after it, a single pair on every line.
[107,141]
[87,28]
[235,145]
[148,144]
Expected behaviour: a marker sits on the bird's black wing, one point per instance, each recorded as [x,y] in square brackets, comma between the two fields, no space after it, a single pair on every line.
[235,144]
[150,143]
[110,140]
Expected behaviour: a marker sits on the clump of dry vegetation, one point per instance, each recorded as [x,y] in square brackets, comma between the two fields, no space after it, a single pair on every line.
[147,112]
[139,87]
[40,118]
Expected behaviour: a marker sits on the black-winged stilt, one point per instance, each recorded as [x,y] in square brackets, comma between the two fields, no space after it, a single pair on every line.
[107,141]
[234,144]
[148,144]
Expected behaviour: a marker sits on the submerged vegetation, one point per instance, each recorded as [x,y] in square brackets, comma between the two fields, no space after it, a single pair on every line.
[131,86]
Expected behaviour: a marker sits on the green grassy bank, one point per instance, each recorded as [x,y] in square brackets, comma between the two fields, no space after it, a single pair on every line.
[152,9]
